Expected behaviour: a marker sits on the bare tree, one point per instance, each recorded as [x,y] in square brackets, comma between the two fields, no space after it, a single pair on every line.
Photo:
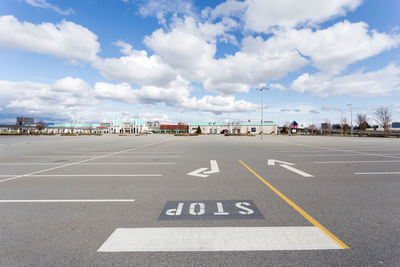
[40,126]
[384,117]
[345,126]
[362,122]
[326,127]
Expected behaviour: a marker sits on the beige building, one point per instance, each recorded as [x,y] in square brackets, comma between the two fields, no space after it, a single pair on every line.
[233,127]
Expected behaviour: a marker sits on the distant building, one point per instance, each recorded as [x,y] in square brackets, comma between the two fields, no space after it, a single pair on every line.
[25,121]
[153,126]
[174,128]
[396,125]
[234,127]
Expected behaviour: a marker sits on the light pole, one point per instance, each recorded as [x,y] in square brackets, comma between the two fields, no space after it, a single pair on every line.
[262,109]
[351,119]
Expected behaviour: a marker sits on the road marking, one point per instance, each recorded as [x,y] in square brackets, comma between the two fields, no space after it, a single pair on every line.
[89,163]
[377,173]
[213,169]
[339,150]
[290,168]
[86,156]
[89,175]
[78,162]
[198,173]
[217,239]
[63,200]
[325,155]
[154,152]
[297,208]
[272,162]
[287,165]
[210,210]
[356,161]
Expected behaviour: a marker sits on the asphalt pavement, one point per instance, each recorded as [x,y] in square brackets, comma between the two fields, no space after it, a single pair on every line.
[209,200]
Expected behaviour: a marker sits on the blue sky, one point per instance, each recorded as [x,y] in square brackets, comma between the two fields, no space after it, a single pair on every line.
[92,61]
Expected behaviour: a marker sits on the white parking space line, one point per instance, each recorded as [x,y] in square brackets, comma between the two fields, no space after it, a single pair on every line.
[217,239]
[383,173]
[89,175]
[63,200]
[338,150]
[89,163]
[326,155]
[356,161]
[299,172]
[78,162]
[152,152]
[87,156]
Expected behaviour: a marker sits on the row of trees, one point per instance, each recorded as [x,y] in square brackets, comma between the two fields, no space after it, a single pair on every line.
[383,116]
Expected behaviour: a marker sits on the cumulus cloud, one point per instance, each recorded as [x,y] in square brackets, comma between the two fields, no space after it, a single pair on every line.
[229,8]
[177,95]
[190,48]
[363,84]
[265,15]
[65,98]
[330,49]
[65,40]
[136,66]
[46,5]
[162,8]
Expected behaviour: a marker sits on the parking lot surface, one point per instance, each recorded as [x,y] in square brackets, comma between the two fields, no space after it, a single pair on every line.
[201,200]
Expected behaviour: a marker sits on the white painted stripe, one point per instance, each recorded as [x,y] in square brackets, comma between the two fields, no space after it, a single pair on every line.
[217,239]
[86,156]
[62,200]
[327,155]
[89,163]
[214,167]
[290,168]
[356,161]
[89,175]
[78,162]
[377,173]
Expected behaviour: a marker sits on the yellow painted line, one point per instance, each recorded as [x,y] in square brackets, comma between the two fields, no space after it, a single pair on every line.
[298,209]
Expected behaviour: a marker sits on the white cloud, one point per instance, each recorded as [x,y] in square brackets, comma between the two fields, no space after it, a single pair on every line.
[176,95]
[185,47]
[65,98]
[330,49]
[190,48]
[265,15]
[135,67]
[226,9]
[47,5]
[65,40]
[122,92]
[382,82]
[162,8]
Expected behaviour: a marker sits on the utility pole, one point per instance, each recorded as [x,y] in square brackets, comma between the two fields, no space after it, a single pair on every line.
[351,119]
[262,109]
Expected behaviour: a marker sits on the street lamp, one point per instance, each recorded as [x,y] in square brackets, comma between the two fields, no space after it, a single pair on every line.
[351,118]
[262,109]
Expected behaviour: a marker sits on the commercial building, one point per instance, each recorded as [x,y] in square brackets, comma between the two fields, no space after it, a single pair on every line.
[152,127]
[248,127]
[25,121]
[174,128]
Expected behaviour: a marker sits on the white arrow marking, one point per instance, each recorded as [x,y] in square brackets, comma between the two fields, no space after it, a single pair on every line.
[198,173]
[214,167]
[296,171]
[272,162]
